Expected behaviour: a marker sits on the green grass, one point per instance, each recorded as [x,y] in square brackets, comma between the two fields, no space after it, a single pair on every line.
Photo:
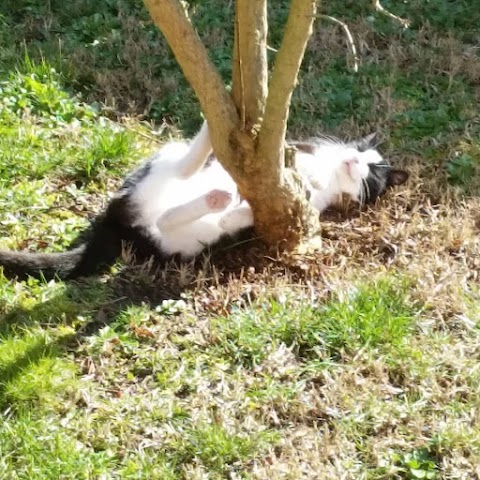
[129,387]
[33,447]
[374,317]
[364,369]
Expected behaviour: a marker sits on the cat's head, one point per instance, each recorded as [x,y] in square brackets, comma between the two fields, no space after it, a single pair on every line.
[364,174]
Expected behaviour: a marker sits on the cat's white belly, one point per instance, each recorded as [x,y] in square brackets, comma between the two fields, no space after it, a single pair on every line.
[189,239]
[156,196]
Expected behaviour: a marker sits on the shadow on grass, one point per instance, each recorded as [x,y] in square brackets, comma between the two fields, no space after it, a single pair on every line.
[82,309]
[34,354]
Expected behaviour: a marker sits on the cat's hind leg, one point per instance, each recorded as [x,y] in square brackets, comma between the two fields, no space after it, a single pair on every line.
[237,218]
[197,155]
[212,202]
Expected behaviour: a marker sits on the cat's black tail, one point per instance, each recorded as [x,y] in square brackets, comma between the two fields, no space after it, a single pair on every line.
[23,264]
[96,249]
[100,248]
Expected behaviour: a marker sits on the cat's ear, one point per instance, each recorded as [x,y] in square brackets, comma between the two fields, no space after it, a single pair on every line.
[368,142]
[396,177]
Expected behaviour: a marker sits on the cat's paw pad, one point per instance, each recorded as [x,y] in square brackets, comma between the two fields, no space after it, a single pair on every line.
[218,199]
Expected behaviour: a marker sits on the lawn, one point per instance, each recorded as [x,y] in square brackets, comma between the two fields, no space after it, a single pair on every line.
[356,361]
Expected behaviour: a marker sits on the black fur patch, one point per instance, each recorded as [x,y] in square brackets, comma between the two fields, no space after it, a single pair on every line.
[132,179]
[381,176]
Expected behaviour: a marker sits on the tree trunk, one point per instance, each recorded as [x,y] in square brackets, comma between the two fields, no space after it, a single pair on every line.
[250,68]
[248,131]
[289,200]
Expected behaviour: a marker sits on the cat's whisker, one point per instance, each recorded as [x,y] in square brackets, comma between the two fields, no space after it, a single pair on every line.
[382,165]
[328,139]
[366,192]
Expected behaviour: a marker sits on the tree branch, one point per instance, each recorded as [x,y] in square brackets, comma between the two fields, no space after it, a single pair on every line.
[350,41]
[379,7]
[250,68]
[284,78]
[217,104]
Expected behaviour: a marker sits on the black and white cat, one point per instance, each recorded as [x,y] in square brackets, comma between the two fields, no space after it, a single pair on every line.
[178,203]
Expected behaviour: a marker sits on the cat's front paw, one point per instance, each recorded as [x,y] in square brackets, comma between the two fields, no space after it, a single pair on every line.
[218,200]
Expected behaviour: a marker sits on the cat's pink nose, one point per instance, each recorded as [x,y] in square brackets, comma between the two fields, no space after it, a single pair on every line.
[349,164]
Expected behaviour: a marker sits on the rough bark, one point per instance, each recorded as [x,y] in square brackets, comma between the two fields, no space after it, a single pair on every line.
[268,166]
